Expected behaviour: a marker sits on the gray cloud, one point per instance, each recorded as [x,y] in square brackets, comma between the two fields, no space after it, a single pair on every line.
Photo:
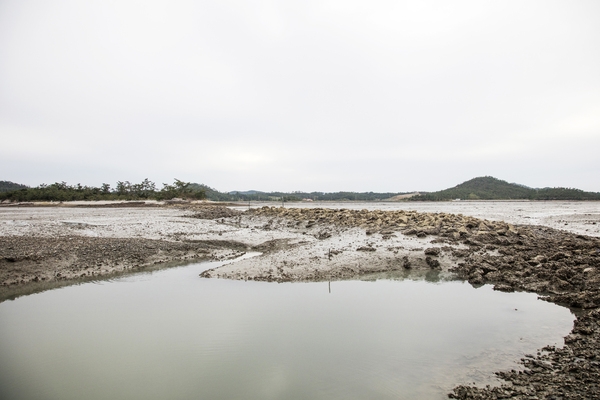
[323,95]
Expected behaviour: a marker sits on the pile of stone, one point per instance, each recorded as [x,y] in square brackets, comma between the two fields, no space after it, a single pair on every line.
[451,226]
[213,212]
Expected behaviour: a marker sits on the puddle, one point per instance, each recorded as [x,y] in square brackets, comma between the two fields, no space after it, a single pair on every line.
[170,334]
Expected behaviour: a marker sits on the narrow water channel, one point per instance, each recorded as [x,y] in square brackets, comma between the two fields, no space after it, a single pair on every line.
[172,335]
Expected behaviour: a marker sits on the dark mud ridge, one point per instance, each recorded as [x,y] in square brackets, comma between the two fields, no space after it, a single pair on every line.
[561,267]
[30,264]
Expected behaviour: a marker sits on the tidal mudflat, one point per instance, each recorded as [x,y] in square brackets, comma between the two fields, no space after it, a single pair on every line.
[320,244]
[170,334]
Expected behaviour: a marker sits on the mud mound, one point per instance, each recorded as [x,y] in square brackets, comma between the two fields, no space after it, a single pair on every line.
[25,259]
[213,212]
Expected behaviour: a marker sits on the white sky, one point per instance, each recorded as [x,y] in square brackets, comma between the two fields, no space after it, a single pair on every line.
[301,95]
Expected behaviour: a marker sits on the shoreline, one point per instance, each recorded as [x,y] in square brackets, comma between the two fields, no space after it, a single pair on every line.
[323,243]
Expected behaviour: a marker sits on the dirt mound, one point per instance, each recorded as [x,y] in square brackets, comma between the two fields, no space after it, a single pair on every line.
[213,212]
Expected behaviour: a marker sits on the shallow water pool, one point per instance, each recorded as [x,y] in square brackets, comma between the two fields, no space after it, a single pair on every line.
[170,334]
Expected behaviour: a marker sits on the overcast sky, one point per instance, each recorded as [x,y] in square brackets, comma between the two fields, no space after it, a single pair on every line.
[301,95]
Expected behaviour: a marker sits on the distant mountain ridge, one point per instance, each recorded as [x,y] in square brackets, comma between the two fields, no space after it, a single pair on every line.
[490,188]
[481,188]
[255,195]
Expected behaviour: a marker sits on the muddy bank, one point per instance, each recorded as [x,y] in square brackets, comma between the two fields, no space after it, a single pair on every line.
[40,262]
[581,217]
[42,247]
[118,203]
[561,267]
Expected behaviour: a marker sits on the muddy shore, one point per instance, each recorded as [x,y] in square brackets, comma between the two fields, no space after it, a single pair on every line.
[317,244]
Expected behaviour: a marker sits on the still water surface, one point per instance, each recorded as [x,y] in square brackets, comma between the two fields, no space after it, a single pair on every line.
[172,335]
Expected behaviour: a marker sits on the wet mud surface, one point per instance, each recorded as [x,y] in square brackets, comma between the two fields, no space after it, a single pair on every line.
[42,248]
[328,244]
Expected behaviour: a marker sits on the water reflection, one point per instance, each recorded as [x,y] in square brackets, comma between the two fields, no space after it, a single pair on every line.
[427,275]
[14,292]
[171,334]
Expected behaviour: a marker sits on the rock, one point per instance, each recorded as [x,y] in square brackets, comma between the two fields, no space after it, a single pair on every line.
[432,262]
[365,248]
[433,251]
[406,262]
[504,288]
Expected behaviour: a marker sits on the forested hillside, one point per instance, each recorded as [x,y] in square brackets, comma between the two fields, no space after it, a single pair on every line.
[7,186]
[490,188]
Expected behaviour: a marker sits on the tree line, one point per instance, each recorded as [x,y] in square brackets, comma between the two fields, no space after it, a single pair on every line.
[124,190]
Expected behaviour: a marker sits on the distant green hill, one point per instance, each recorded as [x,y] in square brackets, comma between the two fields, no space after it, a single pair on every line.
[565,194]
[254,195]
[490,188]
[7,186]
[212,194]
[482,188]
